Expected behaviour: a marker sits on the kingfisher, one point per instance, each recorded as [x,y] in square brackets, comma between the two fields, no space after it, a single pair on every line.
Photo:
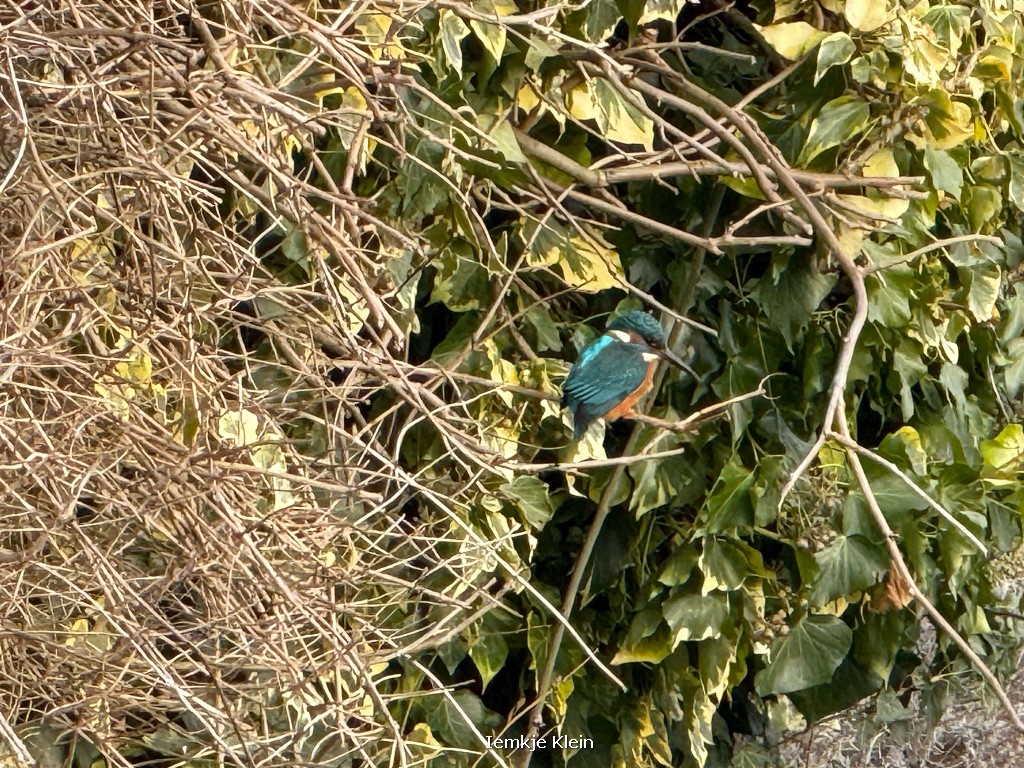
[615,370]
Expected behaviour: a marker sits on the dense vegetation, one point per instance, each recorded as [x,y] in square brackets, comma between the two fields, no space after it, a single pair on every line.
[289,294]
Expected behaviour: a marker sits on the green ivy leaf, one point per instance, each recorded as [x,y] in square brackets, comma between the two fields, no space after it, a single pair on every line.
[600,19]
[548,338]
[835,50]
[851,564]
[947,175]
[650,649]
[983,284]
[648,639]
[448,718]
[530,496]
[1013,373]
[723,563]
[488,652]
[729,505]
[984,205]
[808,656]
[836,124]
[696,617]
[679,566]
[889,294]
[949,23]
[791,293]
[453,32]
[461,281]
[656,483]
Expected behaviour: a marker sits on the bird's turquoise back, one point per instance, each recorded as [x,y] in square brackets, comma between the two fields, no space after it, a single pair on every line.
[606,373]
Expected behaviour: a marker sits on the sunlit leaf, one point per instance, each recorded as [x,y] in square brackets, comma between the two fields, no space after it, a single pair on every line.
[947,123]
[492,36]
[838,121]
[241,427]
[867,15]
[618,119]
[792,39]
[453,32]
[1005,453]
[835,50]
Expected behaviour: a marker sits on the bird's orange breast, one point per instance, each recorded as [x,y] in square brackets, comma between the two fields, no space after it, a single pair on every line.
[630,400]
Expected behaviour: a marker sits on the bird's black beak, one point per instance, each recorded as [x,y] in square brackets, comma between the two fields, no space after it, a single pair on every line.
[677,361]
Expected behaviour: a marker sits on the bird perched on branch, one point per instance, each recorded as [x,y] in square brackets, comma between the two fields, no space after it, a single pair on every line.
[615,370]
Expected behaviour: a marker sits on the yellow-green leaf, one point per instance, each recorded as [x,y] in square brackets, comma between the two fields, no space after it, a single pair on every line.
[835,50]
[138,368]
[838,121]
[590,265]
[580,102]
[867,15]
[241,427]
[881,163]
[1006,452]
[618,119]
[453,32]
[792,39]
[492,36]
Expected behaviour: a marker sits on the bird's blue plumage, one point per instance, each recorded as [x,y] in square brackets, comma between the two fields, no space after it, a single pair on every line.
[607,372]
[590,351]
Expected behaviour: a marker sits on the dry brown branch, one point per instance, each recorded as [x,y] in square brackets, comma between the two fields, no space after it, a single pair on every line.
[176,563]
[690,423]
[656,169]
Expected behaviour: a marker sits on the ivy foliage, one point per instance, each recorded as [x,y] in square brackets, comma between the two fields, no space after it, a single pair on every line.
[458,195]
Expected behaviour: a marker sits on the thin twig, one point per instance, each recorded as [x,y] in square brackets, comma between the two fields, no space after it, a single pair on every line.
[937,245]
[853,445]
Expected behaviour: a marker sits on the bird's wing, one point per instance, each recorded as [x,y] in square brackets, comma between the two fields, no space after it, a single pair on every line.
[605,375]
